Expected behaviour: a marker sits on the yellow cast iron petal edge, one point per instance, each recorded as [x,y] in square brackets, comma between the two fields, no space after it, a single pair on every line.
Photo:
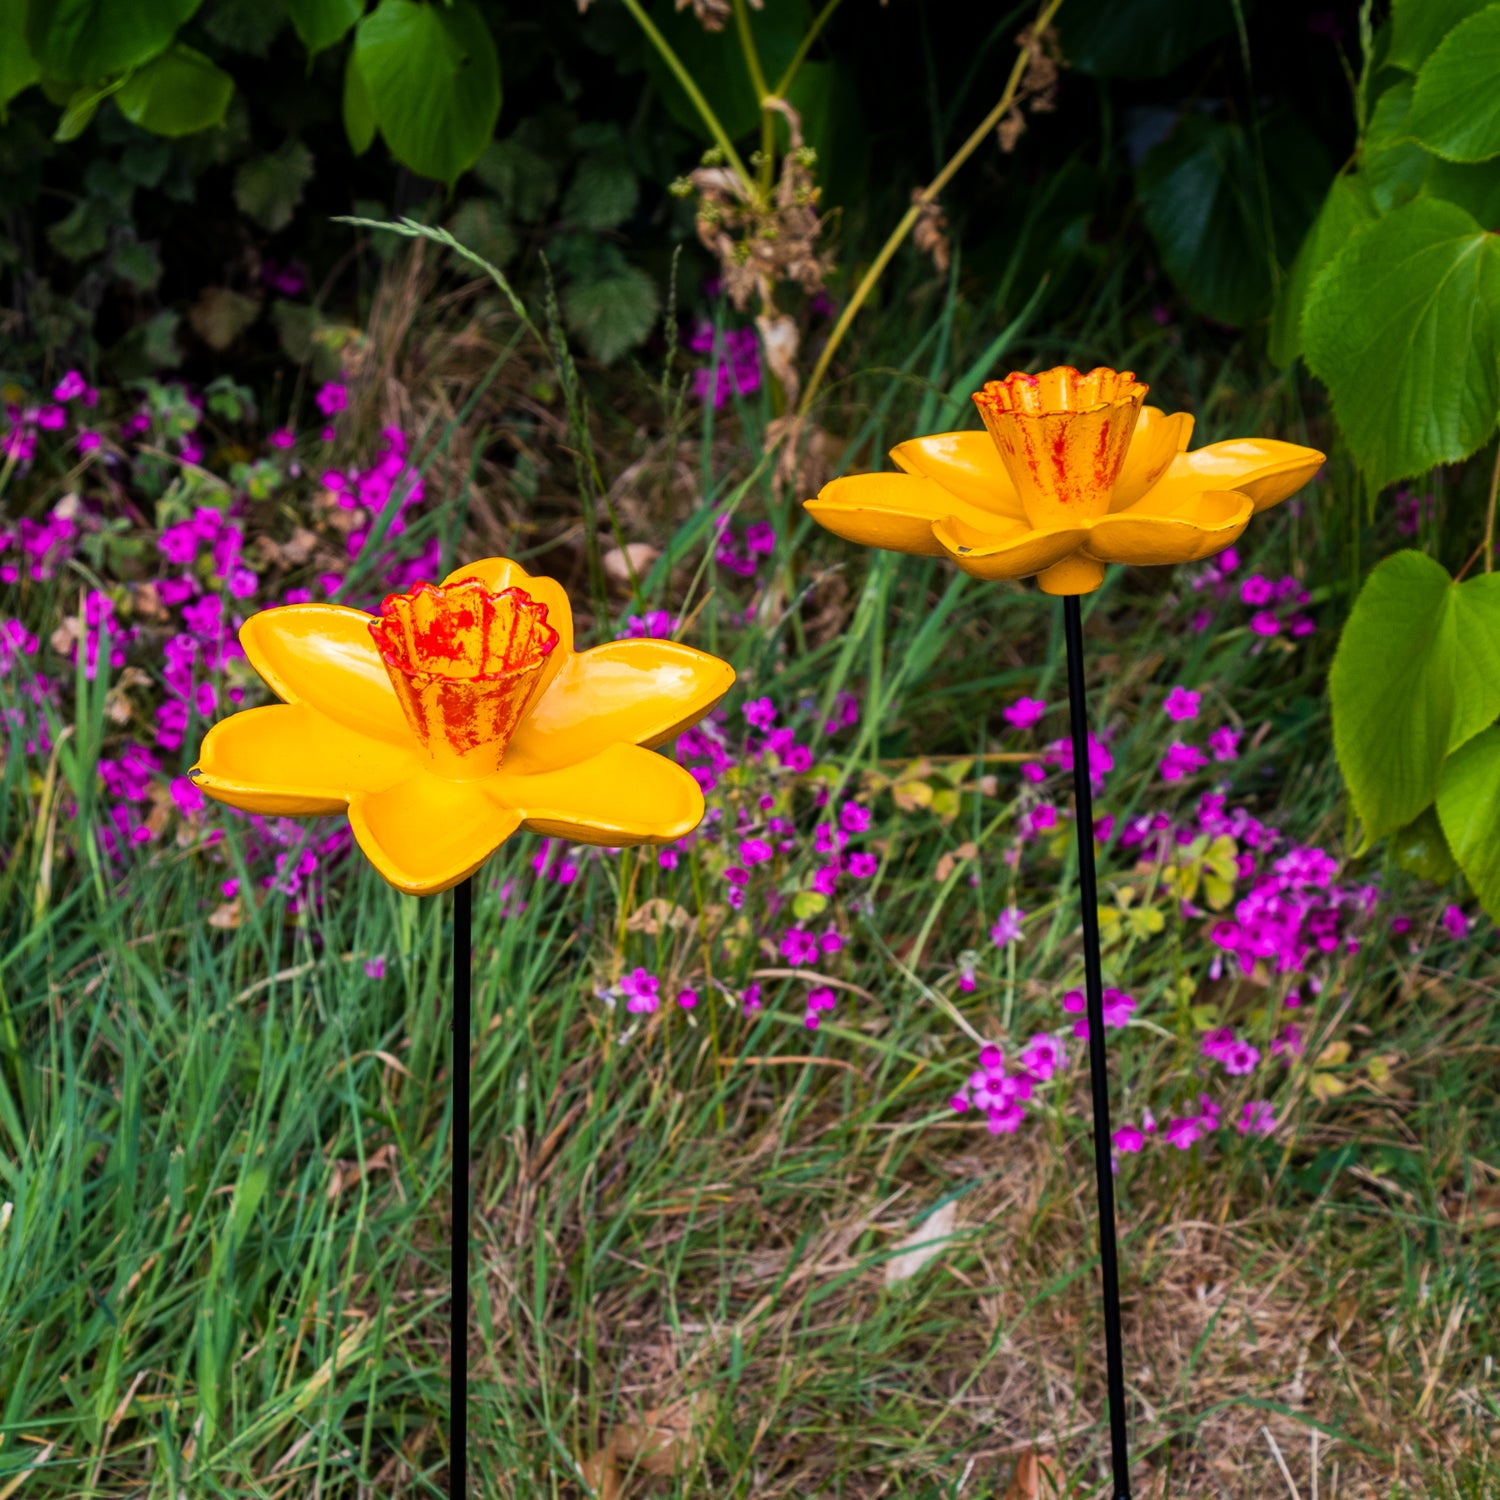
[499,725]
[1072,472]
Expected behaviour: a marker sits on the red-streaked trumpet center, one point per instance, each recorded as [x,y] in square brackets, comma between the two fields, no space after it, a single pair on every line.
[1062,437]
[465,664]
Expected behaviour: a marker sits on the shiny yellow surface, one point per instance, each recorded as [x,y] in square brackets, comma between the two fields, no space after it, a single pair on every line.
[579,764]
[1001,507]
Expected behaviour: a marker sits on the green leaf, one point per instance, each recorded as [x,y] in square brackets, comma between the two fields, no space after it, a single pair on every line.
[1391,157]
[434,81]
[1221,235]
[84,231]
[809,904]
[359,108]
[18,68]
[1416,675]
[1417,26]
[1468,806]
[481,225]
[248,26]
[321,23]
[179,93]
[269,188]
[604,190]
[1346,209]
[81,41]
[1401,326]
[1473,186]
[1456,105]
[137,263]
[522,178]
[82,107]
[1143,39]
[613,313]
[1422,848]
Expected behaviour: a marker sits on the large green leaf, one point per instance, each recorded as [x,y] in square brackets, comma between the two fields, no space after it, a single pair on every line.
[1402,327]
[434,83]
[1221,232]
[1347,208]
[1455,108]
[178,93]
[18,68]
[1416,675]
[1473,185]
[268,188]
[1391,157]
[321,23]
[79,41]
[359,108]
[1143,39]
[611,313]
[1468,807]
[1417,26]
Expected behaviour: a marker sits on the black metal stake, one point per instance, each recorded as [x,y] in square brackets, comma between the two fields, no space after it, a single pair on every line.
[1088,895]
[458,1341]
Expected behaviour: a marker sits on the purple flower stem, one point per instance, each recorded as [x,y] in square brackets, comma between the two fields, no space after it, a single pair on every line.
[458,1338]
[1088,895]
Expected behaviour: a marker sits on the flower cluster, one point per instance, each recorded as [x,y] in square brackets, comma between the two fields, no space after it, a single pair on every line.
[733,368]
[1275,605]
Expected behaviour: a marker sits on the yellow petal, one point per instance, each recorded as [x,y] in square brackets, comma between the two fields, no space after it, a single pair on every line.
[1005,549]
[291,760]
[966,464]
[425,834]
[1179,527]
[625,692]
[498,573]
[622,795]
[1264,468]
[1156,441]
[894,511]
[323,654]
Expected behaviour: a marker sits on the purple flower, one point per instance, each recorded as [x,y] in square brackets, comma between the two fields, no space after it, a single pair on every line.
[70,387]
[1224,743]
[760,538]
[760,713]
[687,998]
[1128,1140]
[1265,623]
[1025,712]
[863,866]
[1117,1008]
[641,989]
[1256,590]
[853,818]
[332,398]
[1007,928]
[1181,704]
[818,1000]
[1456,923]
[375,968]
[186,795]
[1181,761]
[1043,1055]
[799,947]
[750,999]
[1256,1118]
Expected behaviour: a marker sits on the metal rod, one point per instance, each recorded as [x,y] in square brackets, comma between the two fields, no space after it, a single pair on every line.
[1088,895]
[458,1343]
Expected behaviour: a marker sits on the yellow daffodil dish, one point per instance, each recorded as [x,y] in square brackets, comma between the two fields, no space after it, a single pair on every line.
[1071,472]
[458,714]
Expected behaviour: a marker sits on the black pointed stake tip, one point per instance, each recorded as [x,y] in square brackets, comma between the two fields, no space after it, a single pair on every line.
[1088,897]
